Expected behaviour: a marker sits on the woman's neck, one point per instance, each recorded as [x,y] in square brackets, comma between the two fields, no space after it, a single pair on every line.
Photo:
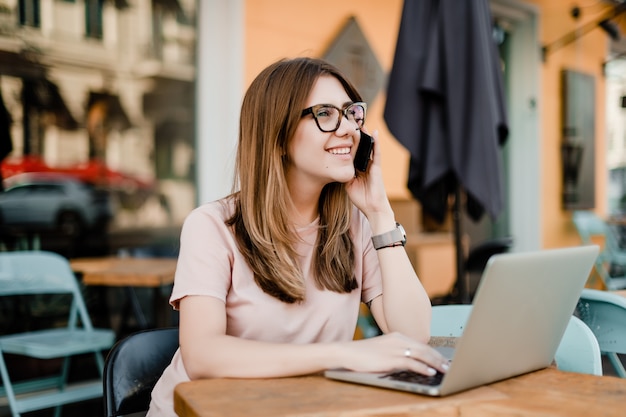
[305,208]
[304,215]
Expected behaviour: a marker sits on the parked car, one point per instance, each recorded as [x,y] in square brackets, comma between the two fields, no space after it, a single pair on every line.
[47,201]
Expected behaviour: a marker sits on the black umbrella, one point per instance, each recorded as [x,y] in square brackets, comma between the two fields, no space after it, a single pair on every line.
[445,104]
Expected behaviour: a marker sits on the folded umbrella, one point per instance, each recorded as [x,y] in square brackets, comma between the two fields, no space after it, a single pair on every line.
[445,105]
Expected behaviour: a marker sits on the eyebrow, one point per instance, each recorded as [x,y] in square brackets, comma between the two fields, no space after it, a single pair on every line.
[345,104]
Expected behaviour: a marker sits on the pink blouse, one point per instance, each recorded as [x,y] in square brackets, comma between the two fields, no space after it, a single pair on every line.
[210,264]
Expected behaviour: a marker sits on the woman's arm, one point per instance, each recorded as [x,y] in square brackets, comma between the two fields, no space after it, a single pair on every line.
[404,306]
[208,352]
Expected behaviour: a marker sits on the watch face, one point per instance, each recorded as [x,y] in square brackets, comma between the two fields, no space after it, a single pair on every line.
[403,233]
[402,230]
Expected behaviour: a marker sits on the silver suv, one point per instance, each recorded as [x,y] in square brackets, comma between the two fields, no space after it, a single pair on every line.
[49,201]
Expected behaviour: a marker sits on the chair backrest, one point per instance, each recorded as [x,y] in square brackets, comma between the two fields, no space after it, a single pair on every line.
[42,272]
[39,272]
[605,314]
[449,320]
[577,352]
[479,255]
[132,368]
[588,225]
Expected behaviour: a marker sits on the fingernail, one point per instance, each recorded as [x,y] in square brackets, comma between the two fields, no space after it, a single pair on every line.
[445,366]
[431,371]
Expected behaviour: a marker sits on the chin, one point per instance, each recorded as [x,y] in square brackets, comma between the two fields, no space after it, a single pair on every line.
[346,176]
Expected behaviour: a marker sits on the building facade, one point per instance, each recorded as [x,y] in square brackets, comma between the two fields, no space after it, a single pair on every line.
[109,84]
[153,89]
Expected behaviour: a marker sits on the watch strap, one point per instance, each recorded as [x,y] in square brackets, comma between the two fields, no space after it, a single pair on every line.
[395,237]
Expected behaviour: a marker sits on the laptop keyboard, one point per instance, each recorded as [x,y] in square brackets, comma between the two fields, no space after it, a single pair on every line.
[415,378]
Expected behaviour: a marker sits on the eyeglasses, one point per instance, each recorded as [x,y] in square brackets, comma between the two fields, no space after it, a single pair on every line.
[328,117]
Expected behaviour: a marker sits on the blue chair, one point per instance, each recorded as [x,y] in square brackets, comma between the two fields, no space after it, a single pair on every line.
[577,352]
[449,320]
[30,273]
[605,314]
[611,262]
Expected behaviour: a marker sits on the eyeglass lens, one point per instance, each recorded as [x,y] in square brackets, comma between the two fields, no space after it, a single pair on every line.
[329,117]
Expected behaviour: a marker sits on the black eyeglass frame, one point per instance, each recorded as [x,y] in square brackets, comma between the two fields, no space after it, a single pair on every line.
[344,111]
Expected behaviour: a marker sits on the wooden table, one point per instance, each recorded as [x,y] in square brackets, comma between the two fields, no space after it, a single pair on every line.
[545,393]
[128,273]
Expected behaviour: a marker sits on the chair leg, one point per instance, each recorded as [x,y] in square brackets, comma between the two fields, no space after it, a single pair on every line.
[617,364]
[8,388]
[99,362]
[64,372]
[142,322]
[62,383]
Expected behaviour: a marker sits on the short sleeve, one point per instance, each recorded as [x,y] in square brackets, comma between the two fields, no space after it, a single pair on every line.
[206,254]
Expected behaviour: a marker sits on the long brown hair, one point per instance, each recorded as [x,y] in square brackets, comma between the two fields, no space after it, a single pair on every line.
[270,114]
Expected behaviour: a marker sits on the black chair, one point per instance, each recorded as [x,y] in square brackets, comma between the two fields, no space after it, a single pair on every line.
[474,266]
[133,367]
[479,256]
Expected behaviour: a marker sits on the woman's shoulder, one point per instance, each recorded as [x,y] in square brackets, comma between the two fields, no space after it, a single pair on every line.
[217,211]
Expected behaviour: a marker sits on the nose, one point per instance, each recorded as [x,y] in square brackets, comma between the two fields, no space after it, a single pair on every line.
[346,126]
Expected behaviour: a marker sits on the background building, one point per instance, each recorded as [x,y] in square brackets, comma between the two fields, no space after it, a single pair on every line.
[152,88]
[105,90]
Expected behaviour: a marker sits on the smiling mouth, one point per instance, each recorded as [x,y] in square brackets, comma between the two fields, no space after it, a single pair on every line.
[339,151]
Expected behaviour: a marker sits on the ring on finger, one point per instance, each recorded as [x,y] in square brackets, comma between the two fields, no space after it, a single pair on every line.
[407,352]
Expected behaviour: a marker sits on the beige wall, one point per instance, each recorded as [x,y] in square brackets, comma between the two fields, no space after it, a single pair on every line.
[586,55]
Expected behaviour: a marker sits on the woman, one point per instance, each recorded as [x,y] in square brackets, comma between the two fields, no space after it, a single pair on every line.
[270,279]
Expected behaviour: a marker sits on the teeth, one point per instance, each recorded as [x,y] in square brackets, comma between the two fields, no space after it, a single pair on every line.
[339,151]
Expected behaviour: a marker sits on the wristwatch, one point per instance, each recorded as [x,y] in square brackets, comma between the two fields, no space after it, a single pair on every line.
[396,237]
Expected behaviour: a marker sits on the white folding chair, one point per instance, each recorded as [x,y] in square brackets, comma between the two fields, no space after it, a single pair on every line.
[31,273]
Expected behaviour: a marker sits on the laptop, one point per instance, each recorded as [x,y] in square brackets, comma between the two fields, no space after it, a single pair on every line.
[521,309]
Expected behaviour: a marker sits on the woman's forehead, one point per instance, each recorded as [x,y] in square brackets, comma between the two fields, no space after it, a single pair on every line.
[328,90]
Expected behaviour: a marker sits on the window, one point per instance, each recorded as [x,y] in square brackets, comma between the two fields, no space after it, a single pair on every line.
[29,13]
[93,18]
